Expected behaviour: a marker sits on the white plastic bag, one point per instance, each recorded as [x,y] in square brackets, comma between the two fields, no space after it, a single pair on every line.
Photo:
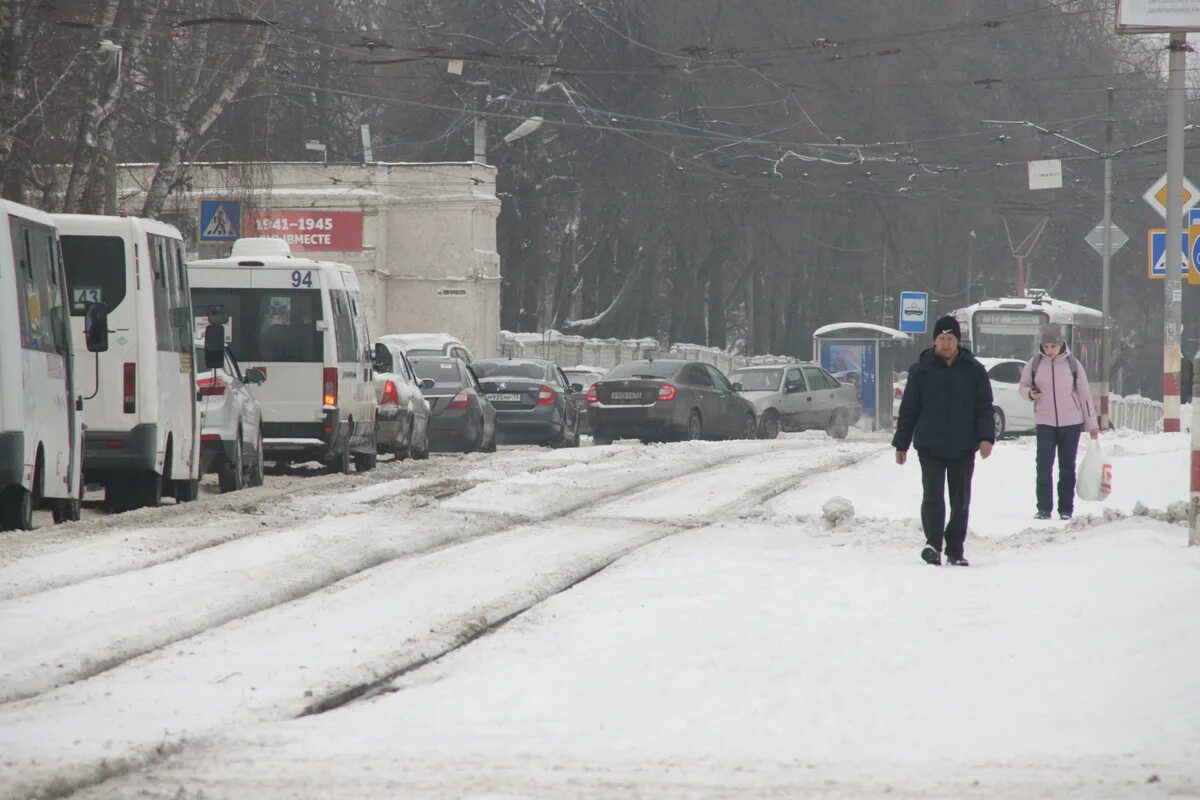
[1094,481]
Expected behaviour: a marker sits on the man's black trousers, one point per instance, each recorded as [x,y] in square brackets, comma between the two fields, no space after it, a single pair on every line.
[936,472]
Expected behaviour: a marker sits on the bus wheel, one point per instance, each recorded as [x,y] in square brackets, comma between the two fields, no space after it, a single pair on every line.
[150,491]
[187,490]
[16,509]
[68,510]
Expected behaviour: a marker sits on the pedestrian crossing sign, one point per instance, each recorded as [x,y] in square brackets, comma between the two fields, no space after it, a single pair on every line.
[220,220]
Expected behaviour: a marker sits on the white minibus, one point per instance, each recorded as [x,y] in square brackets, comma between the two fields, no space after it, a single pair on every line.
[40,423]
[142,429]
[302,322]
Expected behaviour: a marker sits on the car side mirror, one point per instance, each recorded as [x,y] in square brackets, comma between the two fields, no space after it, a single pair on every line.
[214,347]
[95,327]
[427,383]
[576,387]
[737,387]
[255,376]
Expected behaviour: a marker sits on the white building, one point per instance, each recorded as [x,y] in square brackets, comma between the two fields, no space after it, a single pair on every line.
[421,236]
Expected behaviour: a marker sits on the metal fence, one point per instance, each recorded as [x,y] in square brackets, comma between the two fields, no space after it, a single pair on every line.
[1135,413]
[569,351]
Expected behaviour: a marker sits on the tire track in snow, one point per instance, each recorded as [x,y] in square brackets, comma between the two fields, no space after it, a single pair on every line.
[454,627]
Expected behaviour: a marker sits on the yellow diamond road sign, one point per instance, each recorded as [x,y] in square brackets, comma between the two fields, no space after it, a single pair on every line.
[1156,196]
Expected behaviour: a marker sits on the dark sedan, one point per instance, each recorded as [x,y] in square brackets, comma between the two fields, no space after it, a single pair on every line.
[581,379]
[460,417]
[532,399]
[667,399]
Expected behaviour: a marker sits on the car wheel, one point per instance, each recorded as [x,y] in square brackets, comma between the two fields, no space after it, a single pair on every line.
[365,462]
[575,438]
[770,425]
[998,421]
[695,426]
[259,467]
[750,428]
[422,451]
[231,477]
[839,425]
[150,492]
[16,509]
[601,438]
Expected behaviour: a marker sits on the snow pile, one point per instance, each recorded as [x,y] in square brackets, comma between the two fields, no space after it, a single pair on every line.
[837,511]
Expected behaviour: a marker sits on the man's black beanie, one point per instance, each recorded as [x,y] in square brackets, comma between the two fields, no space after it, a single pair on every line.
[947,324]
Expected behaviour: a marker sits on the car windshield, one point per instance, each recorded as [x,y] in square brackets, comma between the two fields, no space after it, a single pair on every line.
[757,380]
[443,371]
[643,369]
[510,369]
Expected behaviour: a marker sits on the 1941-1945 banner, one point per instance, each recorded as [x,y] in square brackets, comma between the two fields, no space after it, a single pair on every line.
[309,229]
[1146,16]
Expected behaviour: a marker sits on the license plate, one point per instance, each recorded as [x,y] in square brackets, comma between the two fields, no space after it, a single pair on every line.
[626,395]
[504,398]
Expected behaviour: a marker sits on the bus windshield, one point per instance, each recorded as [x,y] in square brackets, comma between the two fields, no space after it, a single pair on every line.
[1006,334]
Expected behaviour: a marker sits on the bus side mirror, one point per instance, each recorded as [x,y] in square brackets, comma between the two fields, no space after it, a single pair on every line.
[217,315]
[95,327]
[214,347]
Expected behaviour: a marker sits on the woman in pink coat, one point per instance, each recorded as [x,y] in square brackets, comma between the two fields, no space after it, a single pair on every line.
[1062,410]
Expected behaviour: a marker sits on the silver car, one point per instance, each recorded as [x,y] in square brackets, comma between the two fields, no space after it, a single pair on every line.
[231,441]
[402,420]
[797,397]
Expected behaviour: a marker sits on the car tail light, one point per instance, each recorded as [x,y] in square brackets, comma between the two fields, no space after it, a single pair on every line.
[129,391]
[460,400]
[591,395]
[390,396]
[211,387]
[546,396]
[329,388]
[666,392]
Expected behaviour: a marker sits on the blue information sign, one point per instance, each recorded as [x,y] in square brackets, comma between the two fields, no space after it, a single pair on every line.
[220,220]
[914,312]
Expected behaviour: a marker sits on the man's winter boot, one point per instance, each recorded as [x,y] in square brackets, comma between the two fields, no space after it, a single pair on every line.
[957,561]
[931,556]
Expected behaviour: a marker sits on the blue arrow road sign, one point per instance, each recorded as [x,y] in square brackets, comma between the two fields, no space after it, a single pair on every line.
[914,311]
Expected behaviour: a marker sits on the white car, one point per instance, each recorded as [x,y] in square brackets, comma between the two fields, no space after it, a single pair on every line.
[231,436]
[417,345]
[1012,413]
[797,397]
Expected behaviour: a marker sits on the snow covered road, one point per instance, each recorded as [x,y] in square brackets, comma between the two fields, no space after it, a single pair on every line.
[667,621]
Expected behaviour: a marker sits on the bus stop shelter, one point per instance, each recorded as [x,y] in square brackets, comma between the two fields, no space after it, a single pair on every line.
[863,354]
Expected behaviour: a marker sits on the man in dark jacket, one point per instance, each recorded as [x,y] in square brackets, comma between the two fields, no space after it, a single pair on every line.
[946,412]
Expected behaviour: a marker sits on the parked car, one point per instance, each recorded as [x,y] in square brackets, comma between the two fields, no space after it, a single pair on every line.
[798,397]
[429,344]
[1011,412]
[460,417]
[662,399]
[402,421]
[533,400]
[582,379]
[231,435]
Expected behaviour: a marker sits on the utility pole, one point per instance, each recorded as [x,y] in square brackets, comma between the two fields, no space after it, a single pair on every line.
[1173,284]
[1106,345]
[481,92]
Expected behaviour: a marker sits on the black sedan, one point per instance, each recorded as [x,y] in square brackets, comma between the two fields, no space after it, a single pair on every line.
[460,417]
[665,399]
[532,399]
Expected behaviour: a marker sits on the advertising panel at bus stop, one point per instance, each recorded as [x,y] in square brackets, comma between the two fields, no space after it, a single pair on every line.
[310,229]
[1157,16]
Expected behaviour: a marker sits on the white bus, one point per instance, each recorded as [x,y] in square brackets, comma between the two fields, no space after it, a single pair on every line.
[1010,328]
[142,436]
[40,424]
[302,322]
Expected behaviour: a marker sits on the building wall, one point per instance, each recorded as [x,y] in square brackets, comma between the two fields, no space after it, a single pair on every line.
[428,261]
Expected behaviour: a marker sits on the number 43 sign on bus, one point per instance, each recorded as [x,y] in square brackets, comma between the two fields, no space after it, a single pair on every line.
[309,229]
